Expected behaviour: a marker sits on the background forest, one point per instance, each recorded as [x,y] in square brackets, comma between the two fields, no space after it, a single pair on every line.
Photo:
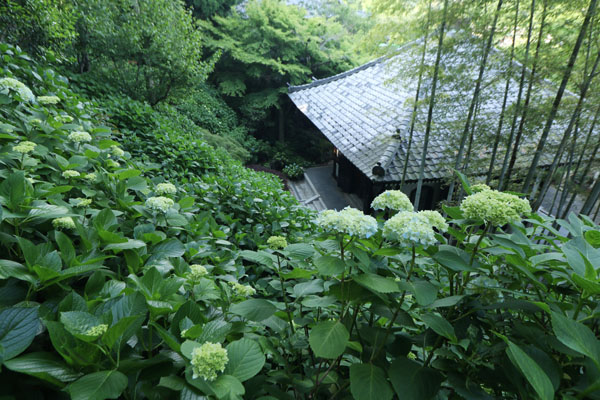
[141,259]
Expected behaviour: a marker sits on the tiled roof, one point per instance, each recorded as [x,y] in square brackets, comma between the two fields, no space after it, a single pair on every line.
[366,112]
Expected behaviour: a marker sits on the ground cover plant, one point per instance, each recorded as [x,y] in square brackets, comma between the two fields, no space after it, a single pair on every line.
[124,279]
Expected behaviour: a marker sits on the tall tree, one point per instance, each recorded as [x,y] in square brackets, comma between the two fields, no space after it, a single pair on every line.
[413,117]
[557,100]
[431,103]
[505,98]
[566,135]
[505,174]
[519,135]
[474,99]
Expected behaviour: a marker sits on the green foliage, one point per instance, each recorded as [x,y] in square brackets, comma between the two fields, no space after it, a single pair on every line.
[205,9]
[149,49]
[37,26]
[108,305]
[269,45]
[293,171]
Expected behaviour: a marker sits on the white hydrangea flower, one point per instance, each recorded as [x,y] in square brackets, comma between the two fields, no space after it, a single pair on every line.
[165,188]
[479,187]
[82,202]
[277,242]
[197,272]
[12,84]
[207,360]
[349,221]
[393,200]
[494,207]
[63,222]
[80,136]
[70,174]
[159,203]
[242,290]
[48,99]
[24,147]
[410,228]
[116,151]
[63,119]
[91,177]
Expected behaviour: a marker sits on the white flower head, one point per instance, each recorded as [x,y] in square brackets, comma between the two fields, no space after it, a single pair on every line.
[159,203]
[165,188]
[80,136]
[116,151]
[208,360]
[12,84]
[48,99]
[82,202]
[197,272]
[70,173]
[348,221]
[242,290]
[494,207]
[64,223]
[97,330]
[24,147]
[409,228]
[91,177]
[393,200]
[63,119]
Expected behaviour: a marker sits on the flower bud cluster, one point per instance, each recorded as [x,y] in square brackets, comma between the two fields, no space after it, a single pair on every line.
[97,330]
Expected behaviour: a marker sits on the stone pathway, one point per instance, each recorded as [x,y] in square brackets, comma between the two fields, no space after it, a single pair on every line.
[319,190]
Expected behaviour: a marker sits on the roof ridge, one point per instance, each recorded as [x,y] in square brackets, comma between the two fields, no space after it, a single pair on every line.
[318,82]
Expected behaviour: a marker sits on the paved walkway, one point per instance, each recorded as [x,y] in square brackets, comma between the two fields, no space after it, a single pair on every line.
[320,191]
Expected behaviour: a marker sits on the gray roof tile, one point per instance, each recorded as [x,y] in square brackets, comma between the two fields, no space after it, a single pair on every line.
[360,110]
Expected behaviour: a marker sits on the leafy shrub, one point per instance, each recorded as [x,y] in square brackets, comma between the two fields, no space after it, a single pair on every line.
[150,49]
[293,171]
[116,285]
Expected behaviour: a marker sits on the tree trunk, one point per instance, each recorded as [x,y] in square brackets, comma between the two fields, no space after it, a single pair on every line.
[506,173]
[565,192]
[592,199]
[413,117]
[474,99]
[431,103]
[558,98]
[513,158]
[508,79]
[567,133]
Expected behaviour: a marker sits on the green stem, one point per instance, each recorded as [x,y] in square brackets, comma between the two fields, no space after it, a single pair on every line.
[467,275]
[285,299]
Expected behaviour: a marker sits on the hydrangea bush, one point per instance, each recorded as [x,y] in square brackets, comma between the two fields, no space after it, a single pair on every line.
[104,295]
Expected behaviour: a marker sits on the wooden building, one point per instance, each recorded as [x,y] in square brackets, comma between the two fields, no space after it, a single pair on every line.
[366,114]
